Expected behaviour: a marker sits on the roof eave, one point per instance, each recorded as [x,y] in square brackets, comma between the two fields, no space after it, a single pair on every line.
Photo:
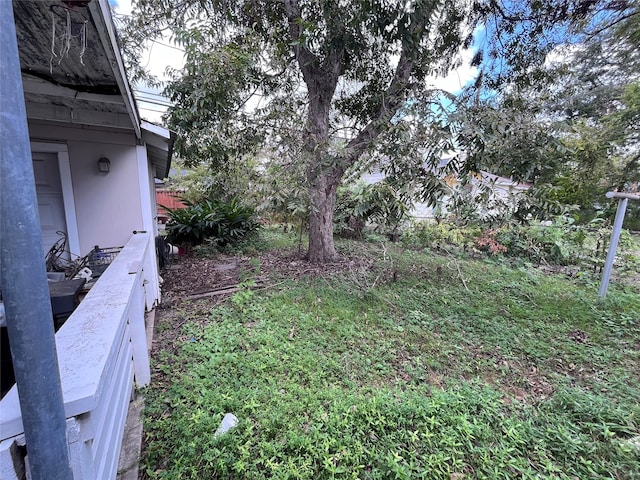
[159,139]
[101,13]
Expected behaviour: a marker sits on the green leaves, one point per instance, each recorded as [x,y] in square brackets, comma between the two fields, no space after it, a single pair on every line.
[519,376]
[209,95]
[379,203]
[325,85]
[216,222]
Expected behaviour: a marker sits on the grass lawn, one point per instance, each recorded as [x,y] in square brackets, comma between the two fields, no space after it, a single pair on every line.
[393,364]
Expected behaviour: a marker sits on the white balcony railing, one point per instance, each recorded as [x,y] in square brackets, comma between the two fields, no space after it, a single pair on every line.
[102,351]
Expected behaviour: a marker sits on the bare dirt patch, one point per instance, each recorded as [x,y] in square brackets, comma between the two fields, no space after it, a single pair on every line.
[194,285]
[520,380]
[191,275]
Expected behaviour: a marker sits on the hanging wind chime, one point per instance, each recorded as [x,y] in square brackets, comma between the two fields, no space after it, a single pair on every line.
[62,41]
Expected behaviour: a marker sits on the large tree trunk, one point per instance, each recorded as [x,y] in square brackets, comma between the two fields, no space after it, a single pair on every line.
[322,193]
[323,175]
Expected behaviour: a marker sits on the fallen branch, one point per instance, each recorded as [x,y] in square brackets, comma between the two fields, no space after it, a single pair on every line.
[458,268]
[213,293]
[228,290]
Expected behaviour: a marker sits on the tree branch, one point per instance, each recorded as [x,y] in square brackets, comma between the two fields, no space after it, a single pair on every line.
[308,62]
[392,100]
[498,7]
[590,35]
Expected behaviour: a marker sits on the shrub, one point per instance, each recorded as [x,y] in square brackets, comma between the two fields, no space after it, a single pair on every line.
[487,242]
[561,242]
[352,211]
[220,223]
[380,204]
[441,235]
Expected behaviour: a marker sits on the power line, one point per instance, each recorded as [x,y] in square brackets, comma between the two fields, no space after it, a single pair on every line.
[168,46]
[151,109]
[149,92]
[153,102]
[155,99]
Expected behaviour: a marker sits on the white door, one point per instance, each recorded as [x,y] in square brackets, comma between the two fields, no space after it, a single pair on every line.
[50,201]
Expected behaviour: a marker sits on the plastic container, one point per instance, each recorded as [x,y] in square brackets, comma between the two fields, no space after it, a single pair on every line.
[101,258]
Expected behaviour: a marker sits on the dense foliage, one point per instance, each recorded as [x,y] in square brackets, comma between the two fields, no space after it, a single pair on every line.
[561,242]
[378,205]
[225,183]
[216,222]
[254,70]
[569,122]
[326,86]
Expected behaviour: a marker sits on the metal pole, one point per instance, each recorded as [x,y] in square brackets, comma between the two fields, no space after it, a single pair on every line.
[613,246]
[23,279]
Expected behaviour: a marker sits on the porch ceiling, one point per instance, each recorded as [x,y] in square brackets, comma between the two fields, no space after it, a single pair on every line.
[84,85]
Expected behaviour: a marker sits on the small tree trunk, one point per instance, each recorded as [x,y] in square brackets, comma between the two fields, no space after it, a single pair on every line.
[323,201]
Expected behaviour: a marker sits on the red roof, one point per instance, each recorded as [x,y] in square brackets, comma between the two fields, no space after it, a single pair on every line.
[168,199]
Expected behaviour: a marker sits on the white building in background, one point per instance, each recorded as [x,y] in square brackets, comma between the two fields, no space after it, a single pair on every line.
[500,190]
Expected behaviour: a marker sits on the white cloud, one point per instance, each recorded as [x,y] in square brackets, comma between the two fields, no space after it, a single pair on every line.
[562,54]
[462,76]
[458,78]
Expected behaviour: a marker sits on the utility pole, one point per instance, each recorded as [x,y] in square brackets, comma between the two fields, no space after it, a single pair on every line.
[25,290]
[624,198]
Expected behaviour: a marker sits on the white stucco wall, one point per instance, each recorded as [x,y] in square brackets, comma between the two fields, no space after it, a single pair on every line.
[108,206]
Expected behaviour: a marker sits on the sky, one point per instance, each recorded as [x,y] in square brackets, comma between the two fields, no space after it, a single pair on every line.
[161,54]
[158,55]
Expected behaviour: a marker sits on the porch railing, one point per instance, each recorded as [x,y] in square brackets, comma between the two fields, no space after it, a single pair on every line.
[102,351]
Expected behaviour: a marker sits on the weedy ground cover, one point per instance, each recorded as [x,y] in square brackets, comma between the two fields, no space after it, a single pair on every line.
[397,363]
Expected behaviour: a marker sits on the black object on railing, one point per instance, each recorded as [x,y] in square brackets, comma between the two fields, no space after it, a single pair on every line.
[100,258]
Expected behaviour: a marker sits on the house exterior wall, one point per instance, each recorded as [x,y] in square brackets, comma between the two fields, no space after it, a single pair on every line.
[108,207]
[146,187]
[152,198]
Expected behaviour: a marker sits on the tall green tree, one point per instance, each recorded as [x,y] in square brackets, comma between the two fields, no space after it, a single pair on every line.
[353,73]
[338,65]
[571,127]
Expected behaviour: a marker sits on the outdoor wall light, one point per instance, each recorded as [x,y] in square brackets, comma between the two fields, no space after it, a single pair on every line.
[103,165]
